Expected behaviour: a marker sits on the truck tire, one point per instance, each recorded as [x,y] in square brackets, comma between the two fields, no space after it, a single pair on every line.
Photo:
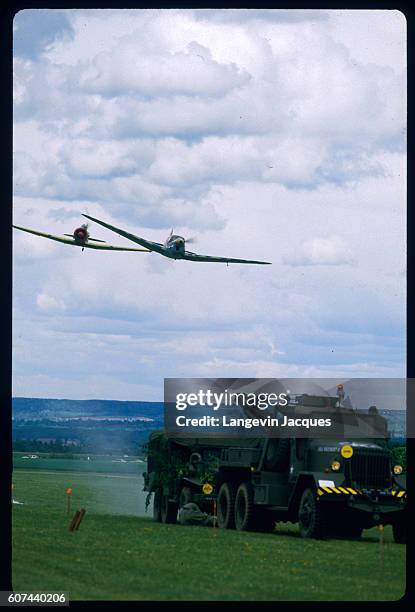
[157,506]
[399,532]
[186,496]
[168,510]
[277,454]
[244,508]
[311,516]
[226,506]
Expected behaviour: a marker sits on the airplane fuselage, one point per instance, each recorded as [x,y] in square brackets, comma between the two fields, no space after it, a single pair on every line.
[174,247]
[81,235]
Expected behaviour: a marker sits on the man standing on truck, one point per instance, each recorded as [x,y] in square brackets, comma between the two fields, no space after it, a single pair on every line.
[191,514]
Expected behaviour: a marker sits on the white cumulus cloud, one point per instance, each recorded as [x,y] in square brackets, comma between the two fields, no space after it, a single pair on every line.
[321,251]
[274,135]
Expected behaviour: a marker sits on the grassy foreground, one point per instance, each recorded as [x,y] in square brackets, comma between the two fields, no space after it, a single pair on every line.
[118,556]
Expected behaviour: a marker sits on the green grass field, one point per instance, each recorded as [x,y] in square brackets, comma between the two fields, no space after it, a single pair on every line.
[121,554]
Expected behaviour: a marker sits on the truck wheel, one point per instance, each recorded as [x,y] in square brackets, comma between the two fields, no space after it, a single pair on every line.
[277,455]
[168,510]
[226,505]
[244,507]
[399,532]
[157,506]
[311,516]
[186,496]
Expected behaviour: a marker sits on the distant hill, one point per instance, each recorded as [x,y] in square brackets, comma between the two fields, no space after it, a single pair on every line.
[114,420]
[96,426]
[40,408]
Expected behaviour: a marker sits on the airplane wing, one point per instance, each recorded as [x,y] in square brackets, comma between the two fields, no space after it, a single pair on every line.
[88,245]
[148,244]
[194,257]
[89,238]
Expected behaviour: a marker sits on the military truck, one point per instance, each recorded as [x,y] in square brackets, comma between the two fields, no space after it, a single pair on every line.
[330,487]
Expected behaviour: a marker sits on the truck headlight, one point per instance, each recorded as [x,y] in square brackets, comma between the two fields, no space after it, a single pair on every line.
[397,469]
[335,466]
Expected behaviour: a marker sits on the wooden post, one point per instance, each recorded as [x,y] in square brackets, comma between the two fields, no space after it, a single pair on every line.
[74,520]
[77,519]
[80,517]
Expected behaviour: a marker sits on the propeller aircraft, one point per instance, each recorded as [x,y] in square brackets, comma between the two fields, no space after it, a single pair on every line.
[81,238]
[174,247]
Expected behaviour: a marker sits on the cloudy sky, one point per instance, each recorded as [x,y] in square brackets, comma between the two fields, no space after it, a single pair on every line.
[275,135]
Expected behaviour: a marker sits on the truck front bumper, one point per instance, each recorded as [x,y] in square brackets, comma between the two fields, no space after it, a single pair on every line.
[380,504]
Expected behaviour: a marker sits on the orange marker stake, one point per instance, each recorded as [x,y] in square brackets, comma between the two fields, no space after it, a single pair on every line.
[381,543]
[68,496]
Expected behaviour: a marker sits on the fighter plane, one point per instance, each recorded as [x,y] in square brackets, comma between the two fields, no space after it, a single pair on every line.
[174,247]
[81,238]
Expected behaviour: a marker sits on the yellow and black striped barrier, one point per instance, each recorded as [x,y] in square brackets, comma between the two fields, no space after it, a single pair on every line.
[338,491]
[350,491]
[399,493]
